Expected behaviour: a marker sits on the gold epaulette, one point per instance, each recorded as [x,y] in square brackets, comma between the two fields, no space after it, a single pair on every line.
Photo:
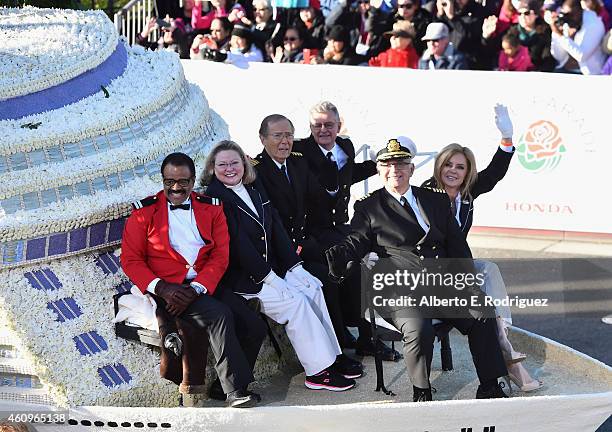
[296,154]
[254,162]
[364,197]
[208,200]
[145,202]
[433,189]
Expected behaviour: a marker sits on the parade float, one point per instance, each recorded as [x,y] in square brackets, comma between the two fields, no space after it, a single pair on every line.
[86,120]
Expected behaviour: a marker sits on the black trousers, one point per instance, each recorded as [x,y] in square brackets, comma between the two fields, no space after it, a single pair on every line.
[418,338]
[349,290]
[235,333]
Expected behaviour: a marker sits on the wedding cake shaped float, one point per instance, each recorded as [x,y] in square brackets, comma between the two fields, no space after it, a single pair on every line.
[86,121]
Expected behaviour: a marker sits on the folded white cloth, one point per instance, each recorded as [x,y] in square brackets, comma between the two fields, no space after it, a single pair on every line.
[138,309]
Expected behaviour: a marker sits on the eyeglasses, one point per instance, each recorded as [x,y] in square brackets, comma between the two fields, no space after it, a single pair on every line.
[525,13]
[326,125]
[181,182]
[277,136]
[223,166]
[405,6]
[290,39]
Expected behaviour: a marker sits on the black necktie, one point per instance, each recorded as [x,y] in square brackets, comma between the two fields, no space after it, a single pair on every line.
[330,158]
[409,209]
[283,168]
[180,206]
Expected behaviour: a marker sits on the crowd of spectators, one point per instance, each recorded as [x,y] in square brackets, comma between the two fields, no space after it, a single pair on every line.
[565,36]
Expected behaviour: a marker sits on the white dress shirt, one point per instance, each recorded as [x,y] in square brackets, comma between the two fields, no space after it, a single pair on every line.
[184,238]
[411,200]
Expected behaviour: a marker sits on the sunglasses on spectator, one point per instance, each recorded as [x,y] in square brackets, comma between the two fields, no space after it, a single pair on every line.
[363,1]
[181,182]
[524,13]
[326,125]
[405,6]
[290,39]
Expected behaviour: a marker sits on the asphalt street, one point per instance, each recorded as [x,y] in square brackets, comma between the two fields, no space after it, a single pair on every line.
[579,292]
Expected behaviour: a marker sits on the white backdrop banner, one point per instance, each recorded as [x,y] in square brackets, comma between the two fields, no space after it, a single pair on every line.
[561,131]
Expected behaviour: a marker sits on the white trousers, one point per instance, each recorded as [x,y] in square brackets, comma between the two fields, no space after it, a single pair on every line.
[307,324]
[494,286]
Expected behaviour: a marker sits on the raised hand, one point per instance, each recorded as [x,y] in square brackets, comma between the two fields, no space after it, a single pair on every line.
[502,121]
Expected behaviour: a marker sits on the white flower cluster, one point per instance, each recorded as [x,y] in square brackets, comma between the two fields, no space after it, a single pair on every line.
[90,209]
[72,378]
[42,48]
[150,81]
[172,133]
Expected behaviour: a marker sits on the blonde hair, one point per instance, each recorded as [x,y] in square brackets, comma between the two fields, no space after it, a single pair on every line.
[471,175]
[209,166]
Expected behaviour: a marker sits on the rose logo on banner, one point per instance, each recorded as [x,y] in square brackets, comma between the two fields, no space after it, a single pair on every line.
[541,147]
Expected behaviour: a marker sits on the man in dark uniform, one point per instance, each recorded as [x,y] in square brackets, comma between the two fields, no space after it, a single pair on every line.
[331,159]
[407,225]
[290,185]
[175,246]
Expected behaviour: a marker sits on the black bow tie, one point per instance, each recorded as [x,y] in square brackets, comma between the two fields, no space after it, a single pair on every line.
[180,206]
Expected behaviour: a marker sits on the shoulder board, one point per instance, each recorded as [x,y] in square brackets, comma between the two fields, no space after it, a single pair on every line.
[254,162]
[364,197]
[204,199]
[433,189]
[145,202]
[296,154]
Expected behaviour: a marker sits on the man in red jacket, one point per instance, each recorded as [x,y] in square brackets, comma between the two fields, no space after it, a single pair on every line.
[176,247]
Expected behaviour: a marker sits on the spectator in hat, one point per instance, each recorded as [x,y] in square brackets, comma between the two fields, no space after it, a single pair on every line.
[218,39]
[339,51]
[440,52]
[402,52]
[514,56]
[242,49]
[380,22]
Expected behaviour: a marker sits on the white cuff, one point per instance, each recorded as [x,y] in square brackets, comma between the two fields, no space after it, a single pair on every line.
[198,287]
[152,284]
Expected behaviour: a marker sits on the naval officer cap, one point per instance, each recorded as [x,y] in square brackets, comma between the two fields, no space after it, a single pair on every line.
[397,148]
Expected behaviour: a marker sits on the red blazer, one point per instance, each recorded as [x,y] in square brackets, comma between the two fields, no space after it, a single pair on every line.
[396,58]
[146,253]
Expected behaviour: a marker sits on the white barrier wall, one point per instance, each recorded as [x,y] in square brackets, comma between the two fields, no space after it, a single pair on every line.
[561,127]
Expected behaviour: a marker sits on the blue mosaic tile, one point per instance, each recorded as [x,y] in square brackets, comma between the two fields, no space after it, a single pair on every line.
[108,262]
[43,279]
[36,248]
[124,286]
[114,375]
[97,234]
[90,343]
[57,244]
[116,230]
[78,239]
[66,309]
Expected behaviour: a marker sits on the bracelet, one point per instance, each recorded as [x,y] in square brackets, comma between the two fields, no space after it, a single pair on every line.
[506,142]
